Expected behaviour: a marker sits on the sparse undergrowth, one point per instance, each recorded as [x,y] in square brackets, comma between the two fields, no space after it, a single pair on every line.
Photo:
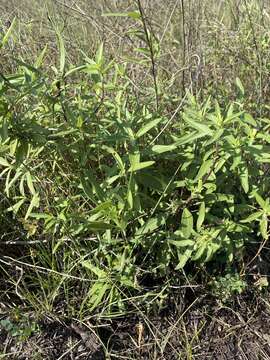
[115,197]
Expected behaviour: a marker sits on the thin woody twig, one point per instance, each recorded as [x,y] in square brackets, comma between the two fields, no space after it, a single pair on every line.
[152,55]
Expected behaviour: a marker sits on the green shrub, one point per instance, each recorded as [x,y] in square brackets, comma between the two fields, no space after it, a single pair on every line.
[116,191]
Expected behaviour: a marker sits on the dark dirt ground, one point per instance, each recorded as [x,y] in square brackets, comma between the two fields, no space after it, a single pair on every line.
[203,329]
[193,325]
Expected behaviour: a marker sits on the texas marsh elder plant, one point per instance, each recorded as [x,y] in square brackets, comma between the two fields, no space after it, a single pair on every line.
[100,190]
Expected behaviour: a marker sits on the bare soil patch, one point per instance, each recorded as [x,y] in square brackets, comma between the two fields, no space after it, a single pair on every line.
[202,329]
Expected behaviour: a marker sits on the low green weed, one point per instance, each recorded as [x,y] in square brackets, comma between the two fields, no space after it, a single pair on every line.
[21,330]
[225,286]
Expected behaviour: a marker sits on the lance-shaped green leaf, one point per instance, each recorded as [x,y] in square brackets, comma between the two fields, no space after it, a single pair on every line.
[263,227]
[61,46]
[186,223]
[34,203]
[201,216]
[7,34]
[143,130]
[141,165]
[204,169]
[253,217]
